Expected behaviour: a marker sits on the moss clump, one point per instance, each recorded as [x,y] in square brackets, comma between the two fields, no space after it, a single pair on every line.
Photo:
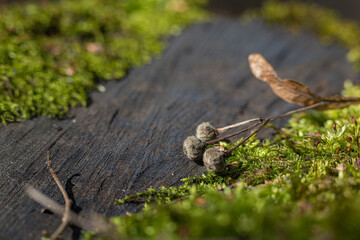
[52,54]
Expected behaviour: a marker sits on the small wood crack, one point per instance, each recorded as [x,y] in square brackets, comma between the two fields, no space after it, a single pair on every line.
[113,117]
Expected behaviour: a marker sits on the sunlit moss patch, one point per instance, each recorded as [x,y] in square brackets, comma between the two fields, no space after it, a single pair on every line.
[52,54]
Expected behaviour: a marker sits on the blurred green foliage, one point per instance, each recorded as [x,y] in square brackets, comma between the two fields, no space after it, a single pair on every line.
[52,54]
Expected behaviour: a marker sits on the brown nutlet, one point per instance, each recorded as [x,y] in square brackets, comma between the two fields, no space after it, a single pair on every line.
[206,132]
[194,148]
[214,160]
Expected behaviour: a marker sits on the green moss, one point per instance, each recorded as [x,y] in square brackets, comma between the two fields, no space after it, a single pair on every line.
[303,184]
[52,54]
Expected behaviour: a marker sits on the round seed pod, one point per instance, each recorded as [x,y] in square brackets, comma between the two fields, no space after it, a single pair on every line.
[194,148]
[206,132]
[214,160]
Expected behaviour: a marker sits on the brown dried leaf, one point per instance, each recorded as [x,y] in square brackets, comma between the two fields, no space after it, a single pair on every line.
[293,91]
[261,68]
[289,90]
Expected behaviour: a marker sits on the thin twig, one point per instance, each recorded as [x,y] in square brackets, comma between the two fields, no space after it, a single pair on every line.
[232,134]
[223,129]
[252,134]
[298,110]
[66,217]
[262,122]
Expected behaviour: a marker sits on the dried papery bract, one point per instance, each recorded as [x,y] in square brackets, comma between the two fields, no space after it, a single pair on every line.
[289,90]
[293,91]
[261,68]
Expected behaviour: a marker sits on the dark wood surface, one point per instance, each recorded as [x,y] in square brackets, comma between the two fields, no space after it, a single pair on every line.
[346,8]
[130,137]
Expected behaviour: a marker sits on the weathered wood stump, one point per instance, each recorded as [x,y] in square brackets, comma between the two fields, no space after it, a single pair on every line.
[130,138]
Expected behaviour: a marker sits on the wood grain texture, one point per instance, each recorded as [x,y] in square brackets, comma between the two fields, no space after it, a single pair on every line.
[130,137]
